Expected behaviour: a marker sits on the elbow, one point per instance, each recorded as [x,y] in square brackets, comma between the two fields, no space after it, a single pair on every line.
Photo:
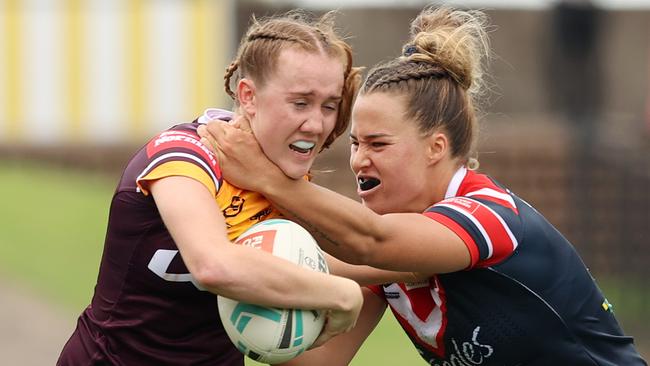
[361,252]
[365,248]
[213,275]
[207,276]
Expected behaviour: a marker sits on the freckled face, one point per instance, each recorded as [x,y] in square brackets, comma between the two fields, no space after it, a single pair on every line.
[296,109]
[388,155]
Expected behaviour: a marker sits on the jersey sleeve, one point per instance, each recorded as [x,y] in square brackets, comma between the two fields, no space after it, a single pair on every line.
[487,228]
[179,152]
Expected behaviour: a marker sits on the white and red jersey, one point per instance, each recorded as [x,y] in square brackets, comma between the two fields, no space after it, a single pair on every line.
[525,299]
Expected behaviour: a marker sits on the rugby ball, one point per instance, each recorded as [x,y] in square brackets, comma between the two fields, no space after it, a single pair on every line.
[271,335]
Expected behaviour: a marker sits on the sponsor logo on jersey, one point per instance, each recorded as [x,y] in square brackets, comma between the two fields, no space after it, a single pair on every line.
[160,263]
[260,215]
[463,353]
[388,293]
[179,139]
[467,204]
[235,207]
[391,295]
[607,306]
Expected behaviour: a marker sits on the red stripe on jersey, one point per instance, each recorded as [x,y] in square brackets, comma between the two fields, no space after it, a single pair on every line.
[443,308]
[490,225]
[502,241]
[173,140]
[440,350]
[461,232]
[474,182]
[419,297]
[501,202]
[378,290]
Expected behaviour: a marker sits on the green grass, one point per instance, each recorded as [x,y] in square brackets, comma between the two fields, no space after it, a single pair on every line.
[629,301]
[53,226]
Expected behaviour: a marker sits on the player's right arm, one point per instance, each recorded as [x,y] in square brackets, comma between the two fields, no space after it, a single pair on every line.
[341,349]
[403,242]
[367,275]
[198,228]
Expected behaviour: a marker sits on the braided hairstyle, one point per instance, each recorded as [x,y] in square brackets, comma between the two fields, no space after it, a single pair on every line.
[440,73]
[260,48]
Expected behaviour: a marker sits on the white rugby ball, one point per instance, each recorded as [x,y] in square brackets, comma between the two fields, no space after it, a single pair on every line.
[271,335]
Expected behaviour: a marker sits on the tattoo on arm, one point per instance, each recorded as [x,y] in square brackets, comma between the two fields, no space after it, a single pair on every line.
[308,225]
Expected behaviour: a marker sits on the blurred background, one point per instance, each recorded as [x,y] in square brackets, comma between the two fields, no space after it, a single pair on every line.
[84,83]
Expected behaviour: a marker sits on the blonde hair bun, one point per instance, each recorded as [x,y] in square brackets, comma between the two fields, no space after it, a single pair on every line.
[456,40]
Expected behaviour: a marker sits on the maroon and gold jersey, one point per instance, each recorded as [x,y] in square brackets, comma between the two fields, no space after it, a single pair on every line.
[147,308]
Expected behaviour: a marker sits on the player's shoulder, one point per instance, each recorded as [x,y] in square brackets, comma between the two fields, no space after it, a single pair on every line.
[184,138]
[179,139]
[190,128]
[469,190]
[485,189]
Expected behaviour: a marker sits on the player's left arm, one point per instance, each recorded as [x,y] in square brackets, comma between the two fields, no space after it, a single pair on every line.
[198,228]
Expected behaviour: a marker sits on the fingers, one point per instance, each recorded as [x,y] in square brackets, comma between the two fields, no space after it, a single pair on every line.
[336,323]
[211,143]
[213,134]
[322,339]
[215,127]
[202,131]
[207,139]
[242,123]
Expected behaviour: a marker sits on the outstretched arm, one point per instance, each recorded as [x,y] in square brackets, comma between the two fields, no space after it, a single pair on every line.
[408,242]
[357,235]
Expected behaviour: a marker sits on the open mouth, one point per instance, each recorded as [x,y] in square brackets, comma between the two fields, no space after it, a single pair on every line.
[368,183]
[302,147]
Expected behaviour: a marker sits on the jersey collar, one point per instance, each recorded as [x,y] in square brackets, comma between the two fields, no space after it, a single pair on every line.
[215,113]
[456,180]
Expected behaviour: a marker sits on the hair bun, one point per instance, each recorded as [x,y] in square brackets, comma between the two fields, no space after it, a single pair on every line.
[456,40]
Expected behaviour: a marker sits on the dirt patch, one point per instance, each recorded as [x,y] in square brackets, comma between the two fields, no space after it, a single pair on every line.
[33,331]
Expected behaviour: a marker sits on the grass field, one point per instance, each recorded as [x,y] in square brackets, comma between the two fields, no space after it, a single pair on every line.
[53,224]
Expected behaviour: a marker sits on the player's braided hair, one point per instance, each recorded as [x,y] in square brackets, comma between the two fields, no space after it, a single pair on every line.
[230,70]
[440,73]
[272,35]
[402,72]
[259,49]
[253,35]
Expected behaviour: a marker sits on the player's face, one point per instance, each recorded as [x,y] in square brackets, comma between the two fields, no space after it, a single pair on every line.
[387,155]
[296,109]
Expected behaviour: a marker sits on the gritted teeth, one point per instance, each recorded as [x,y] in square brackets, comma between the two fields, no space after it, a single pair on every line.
[302,146]
[368,183]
